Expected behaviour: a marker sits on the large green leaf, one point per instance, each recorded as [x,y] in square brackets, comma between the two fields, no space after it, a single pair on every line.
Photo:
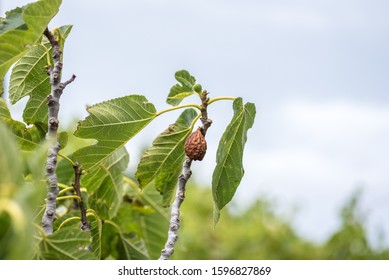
[112,123]
[229,166]
[105,184]
[69,243]
[21,29]
[183,89]
[29,78]
[163,160]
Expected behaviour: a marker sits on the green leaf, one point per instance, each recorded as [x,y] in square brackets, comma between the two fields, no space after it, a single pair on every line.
[29,78]
[69,243]
[183,89]
[127,246]
[112,123]
[229,166]
[23,28]
[105,184]
[29,138]
[96,231]
[4,111]
[10,161]
[132,250]
[163,160]
[155,223]
[18,200]
[14,20]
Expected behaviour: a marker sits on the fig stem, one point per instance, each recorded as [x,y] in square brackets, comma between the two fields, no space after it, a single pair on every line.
[178,107]
[221,98]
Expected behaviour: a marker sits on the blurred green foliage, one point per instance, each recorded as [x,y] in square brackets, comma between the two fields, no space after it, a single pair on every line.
[259,233]
[20,196]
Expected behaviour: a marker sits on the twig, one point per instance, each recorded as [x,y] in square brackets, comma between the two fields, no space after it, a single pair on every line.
[174,225]
[53,107]
[85,224]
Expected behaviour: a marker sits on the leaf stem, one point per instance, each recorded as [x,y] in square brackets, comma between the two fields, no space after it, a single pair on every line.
[178,107]
[221,98]
[66,158]
[68,197]
[93,213]
[65,190]
[62,186]
[194,121]
[68,220]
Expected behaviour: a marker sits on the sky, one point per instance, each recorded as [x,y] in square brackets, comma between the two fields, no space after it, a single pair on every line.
[316,70]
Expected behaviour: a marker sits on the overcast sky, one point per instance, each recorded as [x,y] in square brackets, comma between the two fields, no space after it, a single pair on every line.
[316,70]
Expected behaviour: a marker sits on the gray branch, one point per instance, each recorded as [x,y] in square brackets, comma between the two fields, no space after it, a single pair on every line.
[53,107]
[175,213]
[174,225]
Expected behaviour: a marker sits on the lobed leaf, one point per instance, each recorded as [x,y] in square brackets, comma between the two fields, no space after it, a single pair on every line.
[112,123]
[183,89]
[21,29]
[29,78]
[229,166]
[163,160]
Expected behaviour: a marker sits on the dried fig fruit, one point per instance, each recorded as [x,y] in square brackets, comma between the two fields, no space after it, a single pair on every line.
[195,145]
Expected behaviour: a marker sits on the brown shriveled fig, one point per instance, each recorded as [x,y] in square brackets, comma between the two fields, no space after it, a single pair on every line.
[196,146]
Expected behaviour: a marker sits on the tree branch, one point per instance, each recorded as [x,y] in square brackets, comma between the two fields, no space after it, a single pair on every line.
[53,107]
[175,213]
[174,225]
[85,225]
